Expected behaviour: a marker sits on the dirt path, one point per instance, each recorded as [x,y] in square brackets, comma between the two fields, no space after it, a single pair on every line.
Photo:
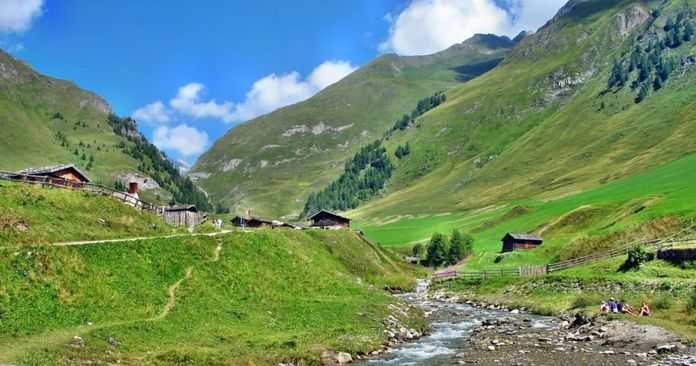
[125,240]
[9,352]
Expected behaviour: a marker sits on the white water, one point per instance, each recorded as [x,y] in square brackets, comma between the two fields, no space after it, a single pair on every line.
[451,323]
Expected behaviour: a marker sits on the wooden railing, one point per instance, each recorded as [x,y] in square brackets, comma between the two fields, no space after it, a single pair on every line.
[88,187]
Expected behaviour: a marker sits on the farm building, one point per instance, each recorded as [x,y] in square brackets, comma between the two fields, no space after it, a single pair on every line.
[327,219]
[66,174]
[255,223]
[251,222]
[512,242]
[183,216]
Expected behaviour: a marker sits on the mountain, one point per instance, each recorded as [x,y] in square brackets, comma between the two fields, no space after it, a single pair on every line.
[272,163]
[47,121]
[602,97]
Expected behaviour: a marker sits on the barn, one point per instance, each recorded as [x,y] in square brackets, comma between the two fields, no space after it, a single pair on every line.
[65,174]
[513,242]
[186,215]
[327,219]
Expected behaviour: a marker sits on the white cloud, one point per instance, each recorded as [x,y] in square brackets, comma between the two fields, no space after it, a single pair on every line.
[188,102]
[429,26]
[155,112]
[266,95]
[276,91]
[16,16]
[185,140]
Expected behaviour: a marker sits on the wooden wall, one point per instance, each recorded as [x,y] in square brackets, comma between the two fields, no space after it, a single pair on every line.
[183,218]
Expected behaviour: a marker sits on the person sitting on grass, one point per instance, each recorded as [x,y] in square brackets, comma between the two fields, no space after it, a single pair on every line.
[644,309]
[604,308]
[613,305]
[628,309]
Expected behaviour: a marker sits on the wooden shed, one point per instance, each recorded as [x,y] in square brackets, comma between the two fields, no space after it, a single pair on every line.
[512,242]
[187,215]
[251,222]
[65,174]
[328,219]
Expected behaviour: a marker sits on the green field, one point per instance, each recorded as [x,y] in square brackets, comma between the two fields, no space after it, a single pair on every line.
[261,298]
[565,223]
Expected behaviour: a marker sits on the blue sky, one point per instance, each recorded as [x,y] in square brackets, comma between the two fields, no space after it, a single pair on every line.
[189,73]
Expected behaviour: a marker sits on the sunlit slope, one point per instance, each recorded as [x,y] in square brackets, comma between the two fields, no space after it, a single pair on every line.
[272,163]
[35,109]
[245,298]
[542,124]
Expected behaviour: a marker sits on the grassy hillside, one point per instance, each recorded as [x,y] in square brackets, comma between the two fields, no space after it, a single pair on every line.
[541,143]
[257,164]
[48,121]
[33,215]
[245,298]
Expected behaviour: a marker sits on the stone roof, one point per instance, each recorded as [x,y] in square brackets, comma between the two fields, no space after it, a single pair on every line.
[53,169]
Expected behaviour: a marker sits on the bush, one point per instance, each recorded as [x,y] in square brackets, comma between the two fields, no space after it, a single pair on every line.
[691,302]
[418,250]
[663,303]
[583,301]
[636,257]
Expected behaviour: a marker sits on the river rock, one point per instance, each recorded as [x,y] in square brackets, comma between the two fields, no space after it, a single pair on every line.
[332,358]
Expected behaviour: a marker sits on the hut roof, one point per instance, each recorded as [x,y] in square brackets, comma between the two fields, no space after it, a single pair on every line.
[54,169]
[191,208]
[330,214]
[526,237]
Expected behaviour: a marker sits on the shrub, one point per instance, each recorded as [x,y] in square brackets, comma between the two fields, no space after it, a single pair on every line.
[636,257]
[663,303]
[691,302]
[583,301]
[418,250]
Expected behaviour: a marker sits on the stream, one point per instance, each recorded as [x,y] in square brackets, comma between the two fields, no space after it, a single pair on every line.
[452,326]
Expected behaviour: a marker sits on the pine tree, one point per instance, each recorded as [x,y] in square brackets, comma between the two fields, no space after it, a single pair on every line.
[437,251]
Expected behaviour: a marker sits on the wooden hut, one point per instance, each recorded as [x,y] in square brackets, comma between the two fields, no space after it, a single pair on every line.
[187,215]
[65,174]
[251,222]
[327,219]
[513,242]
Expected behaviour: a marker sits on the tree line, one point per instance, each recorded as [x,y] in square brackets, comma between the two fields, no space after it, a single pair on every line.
[363,177]
[444,250]
[651,65]
[423,106]
[155,164]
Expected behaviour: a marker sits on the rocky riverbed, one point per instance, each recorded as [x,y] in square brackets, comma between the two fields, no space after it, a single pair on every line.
[465,332]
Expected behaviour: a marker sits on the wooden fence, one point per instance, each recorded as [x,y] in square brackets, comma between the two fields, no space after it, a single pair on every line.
[533,271]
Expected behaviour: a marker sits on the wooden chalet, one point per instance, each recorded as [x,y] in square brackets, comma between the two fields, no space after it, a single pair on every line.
[328,219]
[513,242]
[66,174]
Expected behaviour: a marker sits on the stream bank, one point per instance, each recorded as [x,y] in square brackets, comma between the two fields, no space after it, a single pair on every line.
[465,332]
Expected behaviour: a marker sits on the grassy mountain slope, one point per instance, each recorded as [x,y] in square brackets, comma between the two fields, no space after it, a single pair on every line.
[46,121]
[34,215]
[245,298]
[272,163]
[542,128]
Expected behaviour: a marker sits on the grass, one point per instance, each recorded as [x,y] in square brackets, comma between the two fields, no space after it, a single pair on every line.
[30,214]
[272,296]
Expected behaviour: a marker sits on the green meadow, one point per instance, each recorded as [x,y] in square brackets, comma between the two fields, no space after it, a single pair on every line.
[623,205]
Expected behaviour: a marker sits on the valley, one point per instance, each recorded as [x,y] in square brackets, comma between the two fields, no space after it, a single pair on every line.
[495,197]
